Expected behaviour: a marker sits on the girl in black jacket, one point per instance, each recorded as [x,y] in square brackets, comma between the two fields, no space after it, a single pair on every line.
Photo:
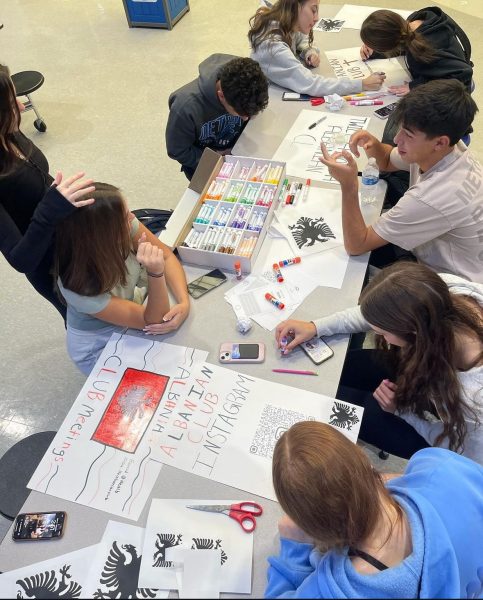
[434,45]
[32,203]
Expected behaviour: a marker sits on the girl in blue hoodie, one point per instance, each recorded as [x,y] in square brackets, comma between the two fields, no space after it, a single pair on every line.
[348,535]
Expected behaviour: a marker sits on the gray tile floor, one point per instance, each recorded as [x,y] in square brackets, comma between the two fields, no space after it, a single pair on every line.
[105,104]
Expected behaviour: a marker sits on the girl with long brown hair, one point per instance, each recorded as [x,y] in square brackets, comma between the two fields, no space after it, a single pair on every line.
[434,45]
[32,202]
[281,38]
[103,256]
[424,384]
[349,532]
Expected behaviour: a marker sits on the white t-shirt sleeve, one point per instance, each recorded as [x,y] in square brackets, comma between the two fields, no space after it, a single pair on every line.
[411,222]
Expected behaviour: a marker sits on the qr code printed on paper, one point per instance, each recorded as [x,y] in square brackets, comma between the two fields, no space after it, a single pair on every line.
[274,422]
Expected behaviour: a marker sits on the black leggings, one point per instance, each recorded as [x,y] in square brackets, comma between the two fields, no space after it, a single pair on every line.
[362,373]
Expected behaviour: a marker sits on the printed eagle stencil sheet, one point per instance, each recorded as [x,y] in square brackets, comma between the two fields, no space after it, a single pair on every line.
[170,524]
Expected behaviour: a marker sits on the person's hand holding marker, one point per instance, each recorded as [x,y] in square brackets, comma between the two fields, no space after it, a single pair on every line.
[373,82]
[345,172]
[313,59]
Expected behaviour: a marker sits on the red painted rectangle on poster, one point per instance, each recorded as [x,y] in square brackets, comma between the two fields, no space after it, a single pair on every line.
[131,409]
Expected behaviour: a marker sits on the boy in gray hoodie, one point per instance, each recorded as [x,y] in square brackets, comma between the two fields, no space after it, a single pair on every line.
[212,111]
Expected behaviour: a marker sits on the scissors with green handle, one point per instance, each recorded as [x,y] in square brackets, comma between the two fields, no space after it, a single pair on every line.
[244,512]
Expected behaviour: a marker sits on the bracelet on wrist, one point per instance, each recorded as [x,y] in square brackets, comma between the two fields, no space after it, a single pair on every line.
[155,274]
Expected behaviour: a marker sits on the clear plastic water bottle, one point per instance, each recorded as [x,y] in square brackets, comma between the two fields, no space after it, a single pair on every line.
[370,177]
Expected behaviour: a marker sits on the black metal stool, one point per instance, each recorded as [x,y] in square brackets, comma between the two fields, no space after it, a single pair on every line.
[17,466]
[25,83]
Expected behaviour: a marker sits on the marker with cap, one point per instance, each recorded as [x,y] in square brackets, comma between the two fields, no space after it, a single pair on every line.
[306,190]
[298,193]
[366,102]
[317,122]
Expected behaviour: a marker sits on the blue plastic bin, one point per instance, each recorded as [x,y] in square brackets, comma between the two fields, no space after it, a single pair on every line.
[155,13]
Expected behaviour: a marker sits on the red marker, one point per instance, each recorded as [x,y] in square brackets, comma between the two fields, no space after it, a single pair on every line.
[274,301]
[278,273]
[291,193]
[290,261]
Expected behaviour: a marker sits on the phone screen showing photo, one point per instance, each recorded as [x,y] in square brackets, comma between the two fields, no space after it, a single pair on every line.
[205,283]
[38,526]
[245,351]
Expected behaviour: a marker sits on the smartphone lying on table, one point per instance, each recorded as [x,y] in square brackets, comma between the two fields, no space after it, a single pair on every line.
[295,96]
[206,283]
[39,526]
[233,352]
[385,111]
[317,350]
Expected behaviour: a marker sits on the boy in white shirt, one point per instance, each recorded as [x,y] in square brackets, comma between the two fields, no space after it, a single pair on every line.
[440,217]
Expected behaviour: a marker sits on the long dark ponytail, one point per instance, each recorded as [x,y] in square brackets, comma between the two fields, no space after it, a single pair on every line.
[387,32]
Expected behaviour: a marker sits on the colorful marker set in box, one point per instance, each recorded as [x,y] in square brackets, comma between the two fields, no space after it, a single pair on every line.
[232,212]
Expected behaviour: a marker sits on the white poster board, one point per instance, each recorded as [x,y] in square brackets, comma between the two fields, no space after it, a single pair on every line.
[101,456]
[225,428]
[170,524]
[354,15]
[347,63]
[300,149]
[198,417]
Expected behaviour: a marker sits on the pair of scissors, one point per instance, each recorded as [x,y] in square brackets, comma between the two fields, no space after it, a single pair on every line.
[244,513]
[316,101]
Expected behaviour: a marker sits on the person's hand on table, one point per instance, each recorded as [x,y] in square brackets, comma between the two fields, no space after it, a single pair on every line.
[362,139]
[399,90]
[365,52]
[287,529]
[171,320]
[385,395]
[313,59]
[373,82]
[300,331]
[74,188]
[344,172]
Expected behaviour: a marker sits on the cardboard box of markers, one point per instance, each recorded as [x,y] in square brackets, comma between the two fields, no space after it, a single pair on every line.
[229,221]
